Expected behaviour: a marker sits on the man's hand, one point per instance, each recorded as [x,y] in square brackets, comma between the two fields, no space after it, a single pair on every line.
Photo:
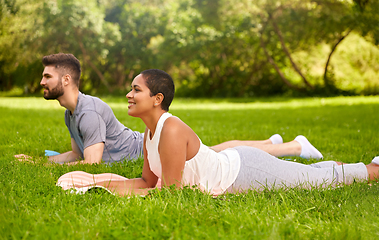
[23,158]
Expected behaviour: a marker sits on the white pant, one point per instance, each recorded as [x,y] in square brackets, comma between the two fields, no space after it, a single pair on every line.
[260,170]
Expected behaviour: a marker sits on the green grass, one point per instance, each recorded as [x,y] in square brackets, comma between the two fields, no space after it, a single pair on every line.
[343,129]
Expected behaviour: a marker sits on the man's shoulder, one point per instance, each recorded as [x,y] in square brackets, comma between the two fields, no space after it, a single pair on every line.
[84,98]
[93,109]
[90,103]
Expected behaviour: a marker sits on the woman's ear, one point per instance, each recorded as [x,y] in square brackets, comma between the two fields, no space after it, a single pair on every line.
[158,99]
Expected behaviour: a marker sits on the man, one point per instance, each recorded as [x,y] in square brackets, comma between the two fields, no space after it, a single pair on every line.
[95,132]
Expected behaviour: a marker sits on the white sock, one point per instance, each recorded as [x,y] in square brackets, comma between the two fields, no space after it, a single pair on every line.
[375,160]
[307,149]
[276,139]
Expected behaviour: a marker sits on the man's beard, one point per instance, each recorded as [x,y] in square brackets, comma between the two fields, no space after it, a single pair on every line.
[55,92]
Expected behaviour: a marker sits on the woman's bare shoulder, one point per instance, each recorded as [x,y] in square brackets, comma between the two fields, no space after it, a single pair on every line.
[178,135]
[174,125]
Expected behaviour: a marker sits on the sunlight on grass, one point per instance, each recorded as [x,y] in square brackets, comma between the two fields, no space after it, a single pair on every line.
[211,104]
[231,104]
[28,103]
[293,103]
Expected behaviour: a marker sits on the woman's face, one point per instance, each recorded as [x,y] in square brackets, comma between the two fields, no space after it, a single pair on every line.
[139,98]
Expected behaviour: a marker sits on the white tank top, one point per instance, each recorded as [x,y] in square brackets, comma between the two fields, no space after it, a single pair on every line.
[212,172]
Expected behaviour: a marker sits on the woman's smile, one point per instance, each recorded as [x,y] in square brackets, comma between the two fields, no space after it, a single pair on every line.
[131,103]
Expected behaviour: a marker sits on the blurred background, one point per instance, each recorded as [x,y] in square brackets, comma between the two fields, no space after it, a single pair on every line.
[212,48]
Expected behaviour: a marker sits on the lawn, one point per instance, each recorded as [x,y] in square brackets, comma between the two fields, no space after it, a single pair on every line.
[342,128]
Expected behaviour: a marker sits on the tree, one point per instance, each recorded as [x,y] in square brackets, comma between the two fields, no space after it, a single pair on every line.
[211,47]
[138,22]
[78,27]
[20,29]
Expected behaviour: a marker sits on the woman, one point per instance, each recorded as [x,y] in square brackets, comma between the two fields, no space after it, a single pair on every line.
[175,154]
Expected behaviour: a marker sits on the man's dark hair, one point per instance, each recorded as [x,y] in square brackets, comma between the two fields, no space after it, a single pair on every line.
[159,81]
[64,63]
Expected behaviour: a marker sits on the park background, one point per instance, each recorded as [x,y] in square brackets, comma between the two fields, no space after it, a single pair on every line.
[212,48]
[279,66]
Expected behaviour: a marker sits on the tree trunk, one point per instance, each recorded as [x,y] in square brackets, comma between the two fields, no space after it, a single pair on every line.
[272,61]
[120,75]
[90,63]
[285,49]
[326,80]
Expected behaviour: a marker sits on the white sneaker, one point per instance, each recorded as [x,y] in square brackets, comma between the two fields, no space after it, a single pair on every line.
[276,139]
[375,160]
[307,149]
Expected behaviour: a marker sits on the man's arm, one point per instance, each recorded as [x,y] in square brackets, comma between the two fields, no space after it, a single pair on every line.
[68,157]
[94,153]
[94,131]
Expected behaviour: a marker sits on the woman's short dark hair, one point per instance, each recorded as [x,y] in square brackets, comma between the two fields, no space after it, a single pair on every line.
[64,63]
[159,81]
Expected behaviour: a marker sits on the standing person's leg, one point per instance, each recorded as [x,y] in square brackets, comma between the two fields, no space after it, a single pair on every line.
[260,170]
[300,146]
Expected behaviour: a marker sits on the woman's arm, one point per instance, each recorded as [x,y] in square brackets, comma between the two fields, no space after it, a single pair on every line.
[113,182]
[178,143]
[147,175]
[136,186]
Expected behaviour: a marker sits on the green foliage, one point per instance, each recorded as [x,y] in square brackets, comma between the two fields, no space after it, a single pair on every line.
[212,48]
[343,128]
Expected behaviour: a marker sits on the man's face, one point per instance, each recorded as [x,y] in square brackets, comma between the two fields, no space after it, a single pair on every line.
[52,83]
